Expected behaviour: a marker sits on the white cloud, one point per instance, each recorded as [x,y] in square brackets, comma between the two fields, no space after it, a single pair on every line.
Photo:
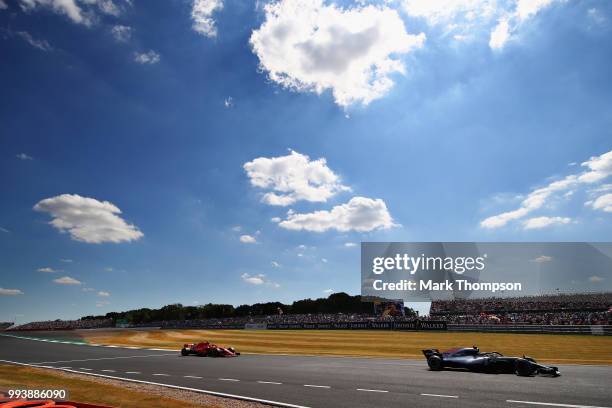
[328,291]
[23,156]
[102,303]
[67,280]
[324,260]
[275,220]
[308,45]
[103,293]
[66,260]
[292,178]
[468,18]
[259,279]
[10,292]
[78,11]
[47,270]
[350,244]
[3,5]
[87,219]
[121,33]
[150,57]
[88,289]
[500,35]
[603,203]
[599,168]
[42,45]
[248,239]
[359,214]
[237,228]
[4,230]
[253,279]
[543,222]
[228,102]
[595,279]
[275,264]
[542,259]
[201,15]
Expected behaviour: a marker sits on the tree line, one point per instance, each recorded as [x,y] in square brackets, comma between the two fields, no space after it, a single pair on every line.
[335,303]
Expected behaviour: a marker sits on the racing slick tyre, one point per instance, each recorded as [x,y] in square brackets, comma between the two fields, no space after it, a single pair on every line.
[214,353]
[184,352]
[434,363]
[523,368]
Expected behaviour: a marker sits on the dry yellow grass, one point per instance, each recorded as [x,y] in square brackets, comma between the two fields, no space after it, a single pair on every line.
[572,349]
[81,390]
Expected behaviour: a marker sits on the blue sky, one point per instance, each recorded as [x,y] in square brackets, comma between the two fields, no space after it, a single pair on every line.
[392,121]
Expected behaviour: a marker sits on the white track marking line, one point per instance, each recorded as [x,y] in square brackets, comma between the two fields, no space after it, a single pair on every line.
[552,404]
[368,390]
[102,358]
[227,379]
[316,386]
[176,387]
[440,395]
[192,376]
[65,368]
[269,382]
[85,369]
[108,371]
[132,372]
[161,375]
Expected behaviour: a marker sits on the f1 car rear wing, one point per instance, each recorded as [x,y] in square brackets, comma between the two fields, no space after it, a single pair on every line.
[430,352]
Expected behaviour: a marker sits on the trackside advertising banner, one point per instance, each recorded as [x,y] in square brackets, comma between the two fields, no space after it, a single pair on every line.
[425,271]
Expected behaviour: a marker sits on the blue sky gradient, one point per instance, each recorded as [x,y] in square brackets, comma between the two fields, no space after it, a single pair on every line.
[465,133]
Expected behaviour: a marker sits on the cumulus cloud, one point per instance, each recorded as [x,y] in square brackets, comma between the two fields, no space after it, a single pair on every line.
[292,178]
[308,45]
[121,33]
[47,270]
[10,292]
[23,156]
[150,57]
[469,18]
[3,5]
[543,222]
[201,15]
[248,239]
[500,35]
[275,264]
[259,279]
[328,291]
[595,279]
[87,219]
[598,169]
[603,203]
[103,293]
[542,259]
[350,244]
[360,214]
[67,280]
[78,11]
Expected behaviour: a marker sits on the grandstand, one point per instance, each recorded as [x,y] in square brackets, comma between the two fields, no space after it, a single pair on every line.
[559,309]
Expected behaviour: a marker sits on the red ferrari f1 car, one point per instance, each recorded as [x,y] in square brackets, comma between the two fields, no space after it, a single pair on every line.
[207,349]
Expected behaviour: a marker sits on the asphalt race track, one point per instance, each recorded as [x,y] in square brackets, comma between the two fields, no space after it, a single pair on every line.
[323,381]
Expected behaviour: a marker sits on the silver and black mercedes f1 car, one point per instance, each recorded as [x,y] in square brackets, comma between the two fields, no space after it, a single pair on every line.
[490,362]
